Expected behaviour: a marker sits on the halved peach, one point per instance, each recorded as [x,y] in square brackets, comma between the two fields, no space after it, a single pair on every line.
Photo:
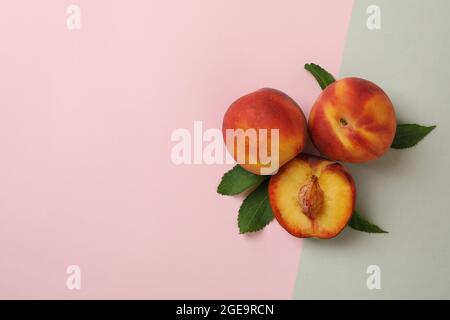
[312,197]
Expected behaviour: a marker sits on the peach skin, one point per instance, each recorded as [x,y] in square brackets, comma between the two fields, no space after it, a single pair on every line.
[263,130]
[312,197]
[353,120]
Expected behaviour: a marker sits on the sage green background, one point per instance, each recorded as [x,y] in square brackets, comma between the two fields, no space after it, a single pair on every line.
[407,191]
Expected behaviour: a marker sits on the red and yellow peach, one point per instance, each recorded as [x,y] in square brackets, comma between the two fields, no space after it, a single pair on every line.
[353,120]
[267,109]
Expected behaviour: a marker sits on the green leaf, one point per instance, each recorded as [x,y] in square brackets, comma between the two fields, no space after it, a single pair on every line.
[255,212]
[323,77]
[359,223]
[409,135]
[238,180]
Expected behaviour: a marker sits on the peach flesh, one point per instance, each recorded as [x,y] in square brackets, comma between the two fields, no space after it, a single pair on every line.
[312,197]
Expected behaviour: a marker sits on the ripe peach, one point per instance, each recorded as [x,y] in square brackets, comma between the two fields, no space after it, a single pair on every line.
[284,124]
[353,120]
[312,197]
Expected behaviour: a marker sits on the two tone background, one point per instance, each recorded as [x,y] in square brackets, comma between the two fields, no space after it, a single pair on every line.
[86,176]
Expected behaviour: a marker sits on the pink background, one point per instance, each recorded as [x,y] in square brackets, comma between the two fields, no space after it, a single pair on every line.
[85,124]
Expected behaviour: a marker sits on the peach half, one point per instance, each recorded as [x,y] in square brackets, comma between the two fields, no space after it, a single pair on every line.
[263,130]
[312,197]
[353,120]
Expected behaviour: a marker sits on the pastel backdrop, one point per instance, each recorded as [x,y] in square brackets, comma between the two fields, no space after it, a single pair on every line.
[405,191]
[85,122]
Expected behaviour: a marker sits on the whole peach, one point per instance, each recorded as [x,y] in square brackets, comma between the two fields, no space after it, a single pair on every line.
[263,130]
[353,120]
